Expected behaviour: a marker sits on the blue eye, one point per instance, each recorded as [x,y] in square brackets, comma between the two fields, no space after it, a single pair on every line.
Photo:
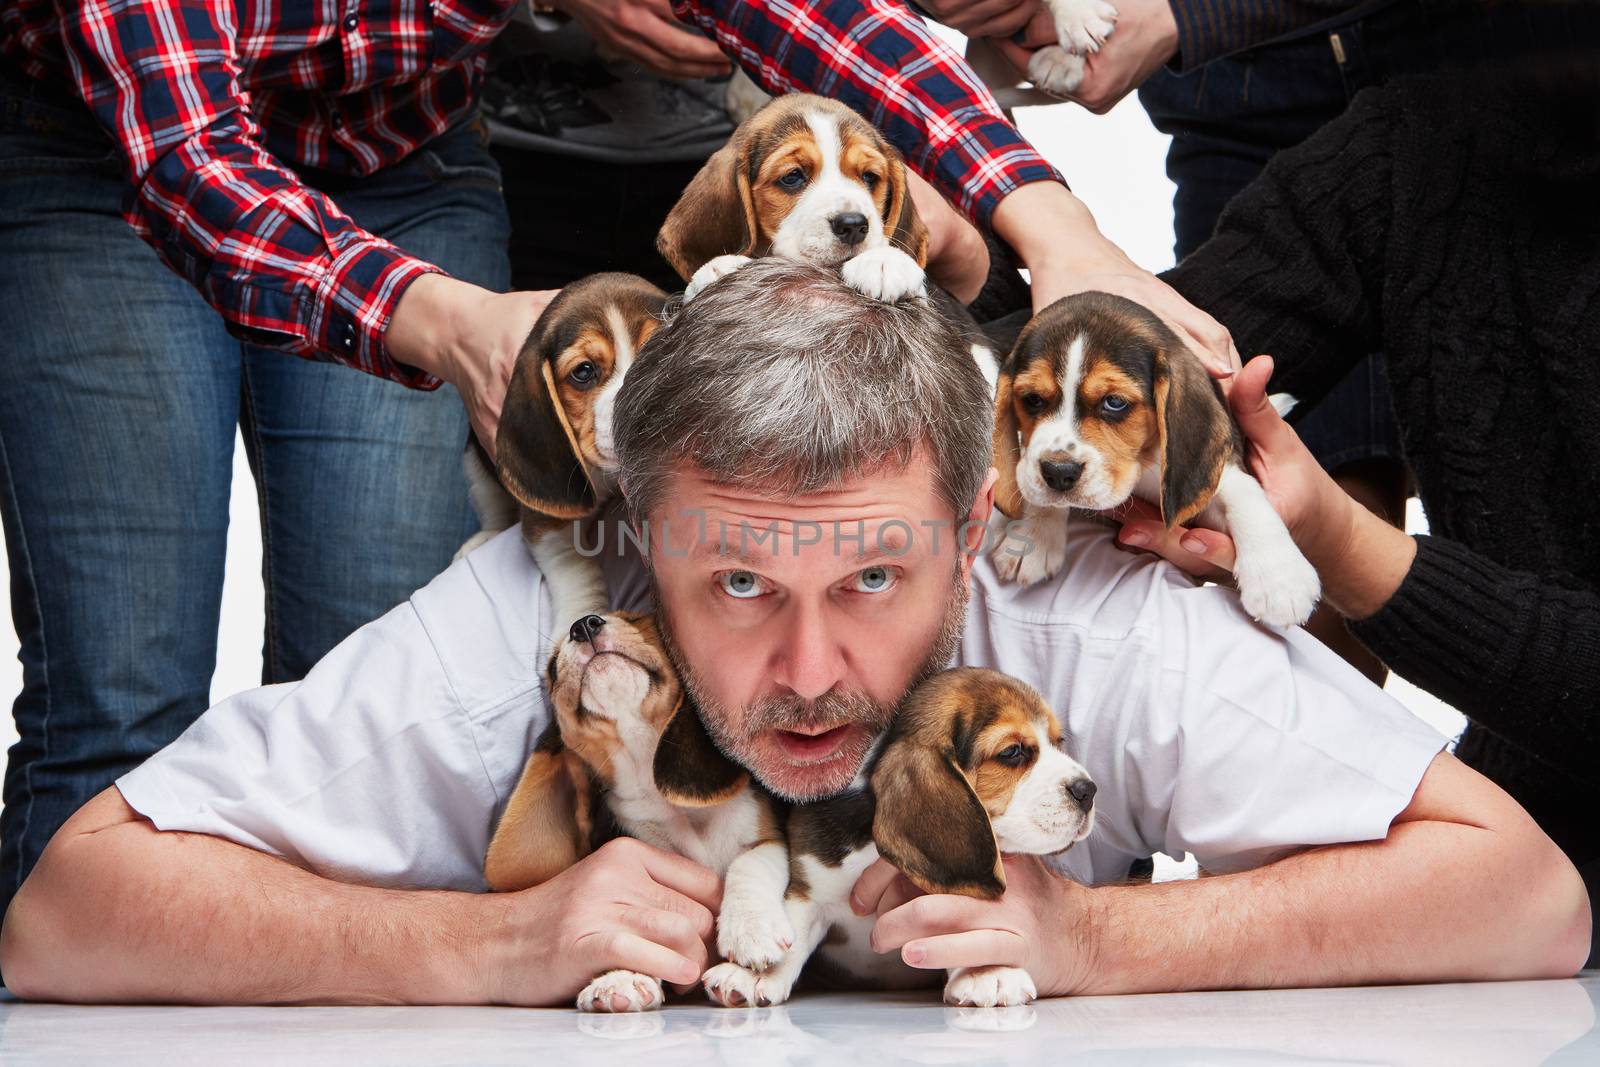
[793,180]
[1114,405]
[741,585]
[874,580]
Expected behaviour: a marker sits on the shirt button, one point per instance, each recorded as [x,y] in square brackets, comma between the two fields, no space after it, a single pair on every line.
[347,336]
[351,22]
[337,120]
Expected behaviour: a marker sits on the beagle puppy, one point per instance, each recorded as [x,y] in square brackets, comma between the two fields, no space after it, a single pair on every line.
[1098,401]
[556,462]
[804,178]
[1082,26]
[972,767]
[626,754]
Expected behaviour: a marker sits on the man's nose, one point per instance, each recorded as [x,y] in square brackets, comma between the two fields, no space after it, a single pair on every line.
[850,227]
[1082,791]
[585,628]
[1060,476]
[810,663]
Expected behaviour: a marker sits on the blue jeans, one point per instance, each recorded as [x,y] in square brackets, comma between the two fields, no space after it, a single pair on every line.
[119,394]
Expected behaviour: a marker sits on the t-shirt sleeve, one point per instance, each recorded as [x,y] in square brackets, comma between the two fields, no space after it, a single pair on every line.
[387,763]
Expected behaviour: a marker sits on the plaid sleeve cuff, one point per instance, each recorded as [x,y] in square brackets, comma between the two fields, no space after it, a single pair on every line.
[351,317]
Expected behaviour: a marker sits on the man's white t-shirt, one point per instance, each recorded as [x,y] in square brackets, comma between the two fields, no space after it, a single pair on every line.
[1205,732]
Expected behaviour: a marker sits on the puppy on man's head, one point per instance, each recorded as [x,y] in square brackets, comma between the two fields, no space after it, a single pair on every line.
[808,179]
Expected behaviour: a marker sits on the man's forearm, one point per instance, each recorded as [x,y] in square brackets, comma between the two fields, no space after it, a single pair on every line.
[1438,900]
[119,911]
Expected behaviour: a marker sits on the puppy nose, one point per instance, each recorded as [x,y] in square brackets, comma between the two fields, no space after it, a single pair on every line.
[851,227]
[1060,476]
[1082,790]
[585,628]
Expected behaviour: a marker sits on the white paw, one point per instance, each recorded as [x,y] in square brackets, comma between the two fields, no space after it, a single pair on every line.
[885,273]
[988,987]
[622,991]
[754,938]
[481,537]
[732,986]
[1277,585]
[1055,70]
[1083,25]
[713,269]
[1034,548]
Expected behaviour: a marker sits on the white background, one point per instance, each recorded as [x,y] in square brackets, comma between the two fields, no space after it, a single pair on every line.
[1115,163]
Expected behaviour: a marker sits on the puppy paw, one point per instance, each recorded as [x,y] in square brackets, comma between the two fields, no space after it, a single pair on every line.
[989,987]
[1049,552]
[886,274]
[713,269]
[733,986]
[1277,585]
[1055,70]
[1083,25]
[755,939]
[622,991]
[481,537]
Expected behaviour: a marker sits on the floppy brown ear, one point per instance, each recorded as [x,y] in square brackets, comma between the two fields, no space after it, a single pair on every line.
[690,770]
[715,216]
[1007,449]
[900,221]
[929,823]
[1195,433]
[546,826]
[536,452]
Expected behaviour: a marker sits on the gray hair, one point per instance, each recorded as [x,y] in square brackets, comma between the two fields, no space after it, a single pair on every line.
[781,378]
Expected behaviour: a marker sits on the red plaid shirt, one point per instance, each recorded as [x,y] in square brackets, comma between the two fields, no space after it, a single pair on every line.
[214,102]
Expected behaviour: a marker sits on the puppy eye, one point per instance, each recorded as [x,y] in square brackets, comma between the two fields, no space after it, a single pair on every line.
[741,585]
[583,374]
[871,180]
[874,580]
[793,180]
[1114,405]
[1012,755]
[1033,403]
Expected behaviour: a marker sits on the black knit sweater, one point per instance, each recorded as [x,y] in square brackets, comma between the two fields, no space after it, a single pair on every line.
[1455,225]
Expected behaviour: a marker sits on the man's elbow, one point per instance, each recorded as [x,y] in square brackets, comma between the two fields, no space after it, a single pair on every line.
[33,947]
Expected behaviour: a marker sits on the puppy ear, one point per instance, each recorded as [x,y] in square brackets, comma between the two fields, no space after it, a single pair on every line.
[536,452]
[546,825]
[1195,433]
[715,216]
[690,770]
[900,222]
[1007,447]
[929,823]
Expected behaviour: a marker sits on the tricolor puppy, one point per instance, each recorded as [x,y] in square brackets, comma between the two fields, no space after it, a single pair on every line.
[804,178]
[626,754]
[1099,400]
[555,461]
[971,768]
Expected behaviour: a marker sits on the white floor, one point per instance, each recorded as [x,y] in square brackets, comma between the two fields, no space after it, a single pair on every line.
[1516,1024]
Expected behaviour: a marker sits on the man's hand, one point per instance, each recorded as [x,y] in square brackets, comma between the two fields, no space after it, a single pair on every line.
[983,18]
[1146,37]
[627,905]
[1043,923]
[645,32]
[1066,253]
[468,336]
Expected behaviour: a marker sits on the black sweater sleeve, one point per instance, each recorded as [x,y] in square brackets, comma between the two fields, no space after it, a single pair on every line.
[1295,266]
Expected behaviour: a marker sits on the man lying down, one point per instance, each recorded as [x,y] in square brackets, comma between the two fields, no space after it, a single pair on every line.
[324,841]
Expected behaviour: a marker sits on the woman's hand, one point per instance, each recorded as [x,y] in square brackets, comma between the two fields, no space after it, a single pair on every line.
[468,336]
[1066,253]
[1043,923]
[983,18]
[646,32]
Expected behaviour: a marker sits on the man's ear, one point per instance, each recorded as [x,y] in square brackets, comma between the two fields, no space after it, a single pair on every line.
[690,770]
[715,216]
[1196,435]
[901,224]
[547,823]
[929,823]
[536,452]
[1007,447]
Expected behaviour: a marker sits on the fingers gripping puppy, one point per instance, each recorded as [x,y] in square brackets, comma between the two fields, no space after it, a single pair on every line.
[555,463]
[1099,400]
[626,754]
[972,768]
[805,178]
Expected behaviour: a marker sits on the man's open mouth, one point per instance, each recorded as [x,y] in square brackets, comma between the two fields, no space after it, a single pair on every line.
[812,745]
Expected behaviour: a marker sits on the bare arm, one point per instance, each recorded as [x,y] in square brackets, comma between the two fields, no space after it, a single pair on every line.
[1465,887]
[117,910]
